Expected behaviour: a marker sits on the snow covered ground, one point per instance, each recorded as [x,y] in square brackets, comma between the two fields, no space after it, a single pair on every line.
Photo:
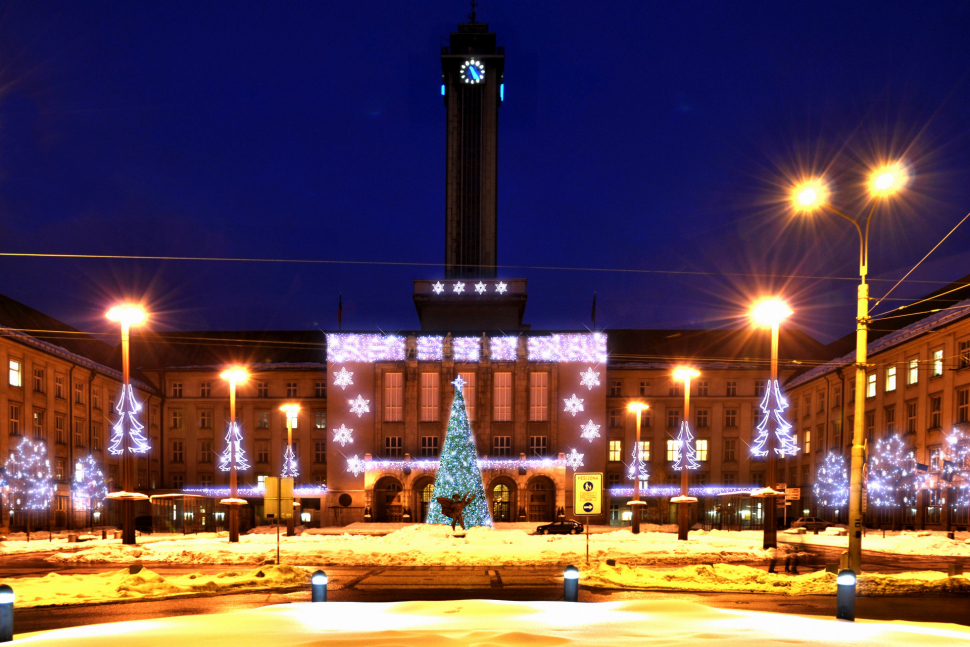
[472,623]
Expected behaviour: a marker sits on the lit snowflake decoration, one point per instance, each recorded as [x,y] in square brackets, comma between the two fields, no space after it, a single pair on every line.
[360,406]
[500,287]
[438,287]
[355,466]
[591,430]
[574,460]
[343,378]
[574,405]
[480,287]
[343,435]
[459,287]
[590,378]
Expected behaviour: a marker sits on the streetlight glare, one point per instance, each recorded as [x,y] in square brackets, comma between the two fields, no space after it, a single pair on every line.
[237,374]
[127,313]
[291,410]
[685,372]
[887,180]
[809,195]
[770,312]
[637,406]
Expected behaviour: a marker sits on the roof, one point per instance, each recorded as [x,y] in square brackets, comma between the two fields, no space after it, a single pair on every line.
[17,316]
[154,350]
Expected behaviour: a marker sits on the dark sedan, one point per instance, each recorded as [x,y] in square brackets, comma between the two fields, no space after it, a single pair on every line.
[567,527]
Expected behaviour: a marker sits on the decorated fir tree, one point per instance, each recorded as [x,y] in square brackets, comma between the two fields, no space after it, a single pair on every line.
[128,425]
[892,481]
[233,436]
[832,482]
[955,468]
[773,407]
[290,466]
[685,456]
[29,478]
[458,473]
[89,487]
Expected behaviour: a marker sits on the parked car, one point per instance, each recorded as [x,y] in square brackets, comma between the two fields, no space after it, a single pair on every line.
[811,523]
[565,527]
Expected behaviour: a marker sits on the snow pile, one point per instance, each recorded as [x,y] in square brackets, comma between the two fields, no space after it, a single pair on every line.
[56,589]
[641,623]
[745,579]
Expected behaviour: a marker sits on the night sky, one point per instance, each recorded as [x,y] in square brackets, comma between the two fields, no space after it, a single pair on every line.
[634,136]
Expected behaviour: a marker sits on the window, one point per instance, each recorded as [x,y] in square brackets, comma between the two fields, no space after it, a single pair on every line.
[890,379]
[808,404]
[262,389]
[15,420]
[963,405]
[759,388]
[912,371]
[38,424]
[59,472]
[701,449]
[673,418]
[503,397]
[837,434]
[38,380]
[79,433]
[612,479]
[911,417]
[502,445]
[732,388]
[262,451]
[937,363]
[205,451]
[794,407]
[852,390]
[644,387]
[262,419]
[646,419]
[468,392]
[320,419]
[320,389]
[320,451]
[671,451]
[616,387]
[963,354]
[16,373]
[78,393]
[205,390]
[702,418]
[645,450]
[154,415]
[59,386]
[808,441]
[178,480]
[296,421]
[429,446]
[59,429]
[205,480]
[177,456]
[702,387]
[176,389]
[729,478]
[730,450]
[758,478]
[176,419]
[821,402]
[205,420]
[537,445]
[393,397]
[870,385]
[95,436]
[836,397]
[291,389]
[675,389]
[429,397]
[616,418]
[539,396]
[870,426]
[616,450]
[935,458]
[890,416]
[393,446]
[96,397]
[936,410]
[730,417]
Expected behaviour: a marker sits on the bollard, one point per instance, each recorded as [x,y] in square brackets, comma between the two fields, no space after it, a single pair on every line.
[6,613]
[318,587]
[845,595]
[570,584]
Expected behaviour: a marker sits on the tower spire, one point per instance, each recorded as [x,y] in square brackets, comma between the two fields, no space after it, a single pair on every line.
[472,15]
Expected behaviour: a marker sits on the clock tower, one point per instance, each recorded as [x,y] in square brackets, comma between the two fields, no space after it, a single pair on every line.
[472,68]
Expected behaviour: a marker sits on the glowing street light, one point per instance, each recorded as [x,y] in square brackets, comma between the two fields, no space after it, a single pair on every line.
[235,375]
[887,180]
[684,373]
[638,408]
[809,195]
[292,412]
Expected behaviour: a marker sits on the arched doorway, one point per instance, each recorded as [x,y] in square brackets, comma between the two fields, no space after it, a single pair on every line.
[388,503]
[501,503]
[425,497]
[542,499]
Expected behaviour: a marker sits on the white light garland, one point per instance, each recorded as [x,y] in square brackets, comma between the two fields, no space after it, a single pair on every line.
[431,465]
[430,349]
[580,347]
[591,430]
[574,404]
[360,406]
[467,349]
[221,492]
[343,435]
[674,490]
[354,347]
[370,348]
[574,460]
[503,349]
[589,378]
[343,378]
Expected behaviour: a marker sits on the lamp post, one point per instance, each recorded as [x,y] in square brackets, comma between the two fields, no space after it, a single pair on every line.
[884,182]
[771,312]
[291,411]
[637,408]
[235,375]
[127,315]
[684,500]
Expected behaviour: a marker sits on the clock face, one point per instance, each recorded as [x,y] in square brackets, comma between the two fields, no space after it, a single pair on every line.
[472,71]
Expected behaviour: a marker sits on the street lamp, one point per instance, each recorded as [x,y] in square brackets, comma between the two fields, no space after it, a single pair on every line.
[684,373]
[884,182]
[771,312]
[289,459]
[638,408]
[235,375]
[128,315]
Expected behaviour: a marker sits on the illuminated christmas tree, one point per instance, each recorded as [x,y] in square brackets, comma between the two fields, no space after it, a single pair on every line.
[832,482]
[892,481]
[458,472]
[29,478]
[89,487]
[685,458]
[233,436]
[127,410]
[290,466]
[773,406]
[955,468]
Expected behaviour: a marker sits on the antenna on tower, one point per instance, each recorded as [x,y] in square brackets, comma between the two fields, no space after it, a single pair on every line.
[471,16]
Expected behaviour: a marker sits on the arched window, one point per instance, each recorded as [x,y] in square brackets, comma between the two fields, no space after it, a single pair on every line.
[501,503]
[427,496]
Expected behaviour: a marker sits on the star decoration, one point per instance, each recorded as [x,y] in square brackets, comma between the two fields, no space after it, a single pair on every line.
[500,287]
[360,406]
[574,405]
[591,430]
[343,378]
[355,465]
[438,288]
[574,460]
[343,435]
[459,382]
[459,287]
[480,287]
[590,378]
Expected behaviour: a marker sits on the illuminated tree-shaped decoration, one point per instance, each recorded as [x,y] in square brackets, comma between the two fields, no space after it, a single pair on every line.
[233,436]
[955,468]
[685,459]
[638,466]
[892,479]
[832,482]
[127,410]
[89,487]
[773,406]
[29,478]
[290,466]
[458,472]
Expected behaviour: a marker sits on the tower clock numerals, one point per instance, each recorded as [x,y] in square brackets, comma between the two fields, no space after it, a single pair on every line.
[472,71]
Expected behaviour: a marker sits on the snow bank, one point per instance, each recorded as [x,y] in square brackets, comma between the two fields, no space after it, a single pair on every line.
[745,579]
[56,589]
[474,623]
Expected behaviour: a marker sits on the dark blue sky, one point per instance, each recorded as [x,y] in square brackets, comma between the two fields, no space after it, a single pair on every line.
[634,135]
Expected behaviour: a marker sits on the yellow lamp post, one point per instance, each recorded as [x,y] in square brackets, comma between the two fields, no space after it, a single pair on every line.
[235,375]
[684,373]
[638,408]
[128,315]
[292,411]
[884,182]
[771,312]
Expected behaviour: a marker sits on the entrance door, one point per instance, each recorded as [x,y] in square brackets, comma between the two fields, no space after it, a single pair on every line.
[501,500]
[540,501]
[427,496]
[389,507]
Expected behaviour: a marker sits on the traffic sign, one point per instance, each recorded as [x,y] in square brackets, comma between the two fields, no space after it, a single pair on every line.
[278,497]
[588,493]
[793,494]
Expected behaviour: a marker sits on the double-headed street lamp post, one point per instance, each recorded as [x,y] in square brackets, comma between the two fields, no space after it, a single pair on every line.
[235,375]
[813,195]
[684,373]
[638,408]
